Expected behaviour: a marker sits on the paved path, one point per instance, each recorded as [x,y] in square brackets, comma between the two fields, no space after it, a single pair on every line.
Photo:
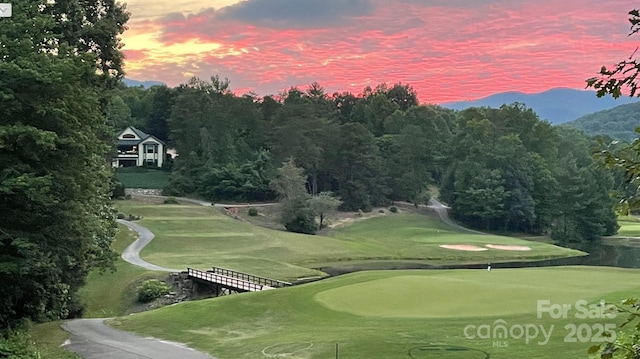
[131,254]
[91,339]
[443,212]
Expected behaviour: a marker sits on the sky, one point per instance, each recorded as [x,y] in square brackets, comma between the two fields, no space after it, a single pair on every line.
[447,50]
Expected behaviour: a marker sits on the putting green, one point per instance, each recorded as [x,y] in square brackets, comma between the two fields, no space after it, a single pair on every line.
[466,293]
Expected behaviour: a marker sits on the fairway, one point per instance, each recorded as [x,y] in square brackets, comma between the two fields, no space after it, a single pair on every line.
[201,237]
[395,314]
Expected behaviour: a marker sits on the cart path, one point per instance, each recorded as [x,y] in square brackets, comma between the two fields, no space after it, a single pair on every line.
[131,254]
[92,339]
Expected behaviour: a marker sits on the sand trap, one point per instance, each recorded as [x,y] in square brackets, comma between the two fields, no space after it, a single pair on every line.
[463,247]
[508,248]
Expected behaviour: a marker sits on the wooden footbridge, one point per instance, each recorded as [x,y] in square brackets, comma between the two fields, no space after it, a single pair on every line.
[226,281]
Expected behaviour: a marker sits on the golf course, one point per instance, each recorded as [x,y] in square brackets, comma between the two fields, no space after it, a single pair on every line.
[201,237]
[373,314]
[393,314]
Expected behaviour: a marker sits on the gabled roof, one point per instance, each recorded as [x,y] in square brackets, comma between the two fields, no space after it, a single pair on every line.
[139,133]
[143,136]
[152,138]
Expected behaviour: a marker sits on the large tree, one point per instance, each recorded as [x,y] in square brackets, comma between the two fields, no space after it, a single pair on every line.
[56,58]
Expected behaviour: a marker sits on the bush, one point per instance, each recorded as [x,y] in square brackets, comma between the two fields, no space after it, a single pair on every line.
[120,215]
[252,212]
[117,189]
[152,289]
[393,209]
[171,200]
[18,345]
[299,219]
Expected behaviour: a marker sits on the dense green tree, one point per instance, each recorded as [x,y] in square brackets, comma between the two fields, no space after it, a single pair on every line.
[158,119]
[509,171]
[118,113]
[357,168]
[56,58]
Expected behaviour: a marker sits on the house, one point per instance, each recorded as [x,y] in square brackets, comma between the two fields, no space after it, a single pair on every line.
[136,148]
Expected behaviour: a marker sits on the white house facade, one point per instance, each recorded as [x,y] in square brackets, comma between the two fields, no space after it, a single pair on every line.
[136,148]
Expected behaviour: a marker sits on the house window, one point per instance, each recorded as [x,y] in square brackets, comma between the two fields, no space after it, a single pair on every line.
[152,148]
[128,135]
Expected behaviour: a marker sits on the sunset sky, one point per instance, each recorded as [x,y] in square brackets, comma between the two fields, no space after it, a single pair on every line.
[448,50]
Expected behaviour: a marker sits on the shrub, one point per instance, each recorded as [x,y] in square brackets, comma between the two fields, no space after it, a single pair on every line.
[393,209]
[121,215]
[117,189]
[18,345]
[252,212]
[171,200]
[152,289]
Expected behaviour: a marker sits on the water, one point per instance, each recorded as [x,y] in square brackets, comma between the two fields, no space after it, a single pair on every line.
[622,253]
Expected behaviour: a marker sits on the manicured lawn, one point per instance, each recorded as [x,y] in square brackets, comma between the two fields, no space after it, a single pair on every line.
[398,314]
[201,237]
[140,177]
[629,227]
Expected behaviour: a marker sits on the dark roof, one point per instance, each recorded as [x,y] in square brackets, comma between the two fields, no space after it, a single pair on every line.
[140,134]
[143,136]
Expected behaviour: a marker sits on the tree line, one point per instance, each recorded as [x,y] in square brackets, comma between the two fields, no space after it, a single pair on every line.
[499,169]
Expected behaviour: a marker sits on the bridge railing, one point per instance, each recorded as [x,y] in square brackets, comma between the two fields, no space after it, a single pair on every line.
[251,278]
[224,280]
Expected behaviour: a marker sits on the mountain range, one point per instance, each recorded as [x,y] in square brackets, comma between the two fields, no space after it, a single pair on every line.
[558,105]
[145,84]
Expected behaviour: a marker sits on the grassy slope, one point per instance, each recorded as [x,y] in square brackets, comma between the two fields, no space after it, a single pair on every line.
[396,319]
[629,227]
[202,237]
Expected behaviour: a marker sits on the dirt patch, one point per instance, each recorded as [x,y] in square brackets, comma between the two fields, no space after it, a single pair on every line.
[463,247]
[508,247]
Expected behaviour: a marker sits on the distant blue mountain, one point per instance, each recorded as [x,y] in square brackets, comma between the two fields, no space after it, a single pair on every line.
[145,84]
[557,105]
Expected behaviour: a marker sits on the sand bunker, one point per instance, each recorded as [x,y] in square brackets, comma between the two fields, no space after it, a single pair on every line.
[463,247]
[508,248]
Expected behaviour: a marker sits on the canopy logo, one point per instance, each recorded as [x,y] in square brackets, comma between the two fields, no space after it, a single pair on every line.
[500,332]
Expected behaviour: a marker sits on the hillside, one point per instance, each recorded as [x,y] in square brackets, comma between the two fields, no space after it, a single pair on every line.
[557,106]
[618,123]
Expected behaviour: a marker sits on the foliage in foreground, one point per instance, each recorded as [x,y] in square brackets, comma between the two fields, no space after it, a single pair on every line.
[55,181]
[18,345]
[615,81]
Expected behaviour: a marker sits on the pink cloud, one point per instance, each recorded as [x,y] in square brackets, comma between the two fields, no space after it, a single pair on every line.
[445,52]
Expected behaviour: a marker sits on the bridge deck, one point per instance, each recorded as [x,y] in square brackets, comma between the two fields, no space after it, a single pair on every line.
[251,278]
[226,281]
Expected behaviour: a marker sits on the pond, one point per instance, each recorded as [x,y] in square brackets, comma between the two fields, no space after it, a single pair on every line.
[609,252]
